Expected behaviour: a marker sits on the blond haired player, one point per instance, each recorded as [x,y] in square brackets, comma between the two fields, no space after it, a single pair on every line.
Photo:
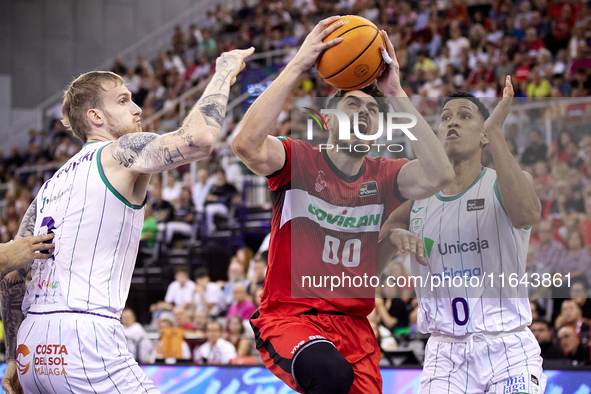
[71,340]
[477,228]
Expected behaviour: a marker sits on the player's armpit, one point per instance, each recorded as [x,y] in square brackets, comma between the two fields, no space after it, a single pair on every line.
[415,184]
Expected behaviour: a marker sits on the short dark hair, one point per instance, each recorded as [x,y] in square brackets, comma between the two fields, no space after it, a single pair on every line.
[465,95]
[201,272]
[371,89]
[182,268]
[542,321]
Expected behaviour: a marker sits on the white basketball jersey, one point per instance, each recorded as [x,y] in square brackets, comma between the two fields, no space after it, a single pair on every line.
[470,240]
[97,233]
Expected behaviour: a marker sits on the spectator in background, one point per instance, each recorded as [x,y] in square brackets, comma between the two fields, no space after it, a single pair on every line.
[456,43]
[216,350]
[181,319]
[577,262]
[235,335]
[207,296]
[242,305]
[178,41]
[207,46]
[538,87]
[549,251]
[235,277]
[218,200]
[200,189]
[180,292]
[585,146]
[536,151]
[571,315]
[149,228]
[585,226]
[541,330]
[259,271]
[172,191]
[563,202]
[166,342]
[163,210]
[571,346]
[183,217]
[200,321]
[137,342]
[579,293]
[559,151]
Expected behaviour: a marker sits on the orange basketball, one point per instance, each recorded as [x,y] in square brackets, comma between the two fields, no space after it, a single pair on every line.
[356,61]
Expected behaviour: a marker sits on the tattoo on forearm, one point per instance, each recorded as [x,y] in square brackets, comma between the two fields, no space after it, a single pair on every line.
[188,138]
[129,146]
[171,156]
[213,108]
[12,292]
[27,226]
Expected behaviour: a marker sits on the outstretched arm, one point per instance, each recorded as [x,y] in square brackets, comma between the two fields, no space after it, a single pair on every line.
[432,171]
[515,186]
[12,289]
[146,153]
[261,153]
[395,237]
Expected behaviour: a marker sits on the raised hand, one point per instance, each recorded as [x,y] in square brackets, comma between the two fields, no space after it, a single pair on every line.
[389,81]
[313,46]
[229,64]
[497,118]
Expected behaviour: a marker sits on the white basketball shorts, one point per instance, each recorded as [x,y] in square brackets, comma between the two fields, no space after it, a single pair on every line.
[71,352]
[505,363]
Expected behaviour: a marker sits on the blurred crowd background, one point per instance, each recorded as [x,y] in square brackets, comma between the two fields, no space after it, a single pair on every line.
[203,256]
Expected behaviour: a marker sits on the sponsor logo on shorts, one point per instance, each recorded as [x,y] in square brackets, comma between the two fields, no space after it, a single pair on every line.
[368,189]
[50,359]
[23,351]
[515,385]
[535,380]
[476,205]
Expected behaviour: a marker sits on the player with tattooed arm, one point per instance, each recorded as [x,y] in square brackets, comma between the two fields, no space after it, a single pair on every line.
[71,339]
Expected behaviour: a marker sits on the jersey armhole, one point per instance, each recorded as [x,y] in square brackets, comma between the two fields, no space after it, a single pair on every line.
[284,163]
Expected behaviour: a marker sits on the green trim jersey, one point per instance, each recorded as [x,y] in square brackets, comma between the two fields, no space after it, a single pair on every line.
[472,249]
[97,233]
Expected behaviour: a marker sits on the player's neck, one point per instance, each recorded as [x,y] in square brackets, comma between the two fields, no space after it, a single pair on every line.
[348,165]
[466,173]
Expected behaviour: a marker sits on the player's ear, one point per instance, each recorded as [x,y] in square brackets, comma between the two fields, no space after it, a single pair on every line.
[96,116]
[484,138]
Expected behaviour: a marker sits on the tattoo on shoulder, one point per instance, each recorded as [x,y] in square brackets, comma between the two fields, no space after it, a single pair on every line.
[129,146]
[27,227]
[213,108]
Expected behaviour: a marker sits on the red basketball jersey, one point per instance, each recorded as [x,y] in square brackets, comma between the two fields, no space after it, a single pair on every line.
[326,224]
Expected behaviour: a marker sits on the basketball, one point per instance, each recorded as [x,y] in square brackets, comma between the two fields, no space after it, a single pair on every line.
[356,61]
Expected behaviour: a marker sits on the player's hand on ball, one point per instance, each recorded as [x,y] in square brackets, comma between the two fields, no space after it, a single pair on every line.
[10,382]
[313,45]
[407,242]
[389,81]
[497,118]
[231,63]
